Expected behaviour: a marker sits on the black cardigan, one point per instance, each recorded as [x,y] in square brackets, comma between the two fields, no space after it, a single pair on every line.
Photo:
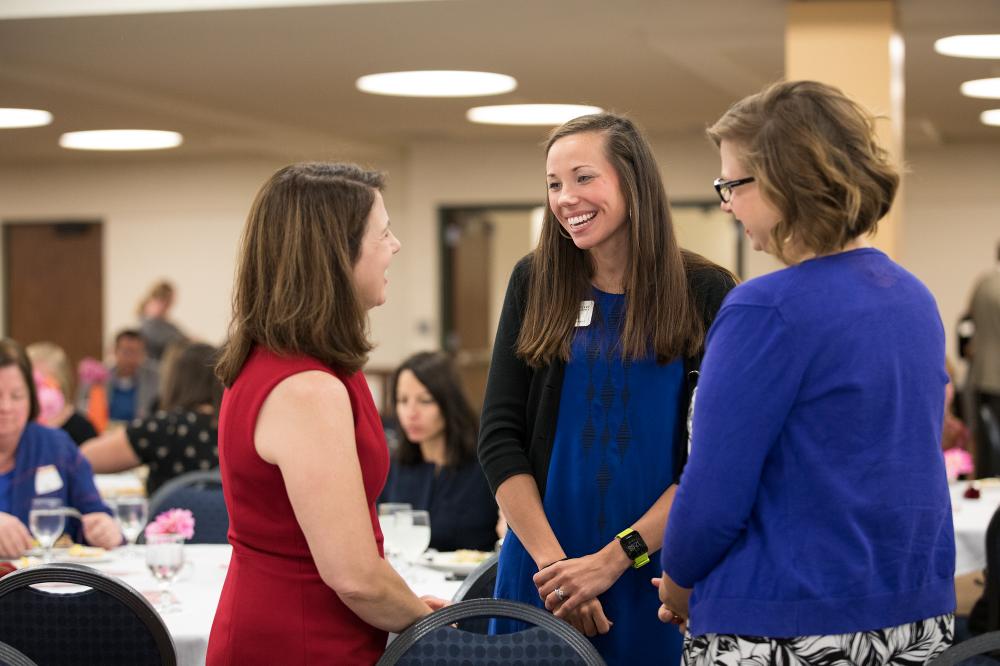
[521,405]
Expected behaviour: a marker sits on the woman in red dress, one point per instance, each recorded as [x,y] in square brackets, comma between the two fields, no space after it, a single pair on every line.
[301,446]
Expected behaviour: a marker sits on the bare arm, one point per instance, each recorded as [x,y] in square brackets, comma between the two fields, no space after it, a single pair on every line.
[110,452]
[301,429]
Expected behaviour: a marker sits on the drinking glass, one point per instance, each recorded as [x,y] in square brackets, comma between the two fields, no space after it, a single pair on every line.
[131,513]
[165,558]
[414,532]
[46,520]
[387,519]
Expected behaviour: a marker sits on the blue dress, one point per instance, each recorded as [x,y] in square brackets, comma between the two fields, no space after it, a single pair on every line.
[612,458]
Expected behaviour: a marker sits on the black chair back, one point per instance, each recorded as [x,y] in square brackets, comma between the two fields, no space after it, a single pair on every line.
[432,640]
[972,651]
[110,623]
[480,584]
[10,656]
[200,493]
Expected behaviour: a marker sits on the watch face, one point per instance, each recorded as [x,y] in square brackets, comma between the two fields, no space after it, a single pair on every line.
[634,545]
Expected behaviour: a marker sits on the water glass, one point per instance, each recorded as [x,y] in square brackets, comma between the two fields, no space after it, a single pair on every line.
[46,520]
[387,520]
[131,514]
[165,559]
[414,533]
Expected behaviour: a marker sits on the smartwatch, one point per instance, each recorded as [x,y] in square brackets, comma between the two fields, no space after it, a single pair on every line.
[634,547]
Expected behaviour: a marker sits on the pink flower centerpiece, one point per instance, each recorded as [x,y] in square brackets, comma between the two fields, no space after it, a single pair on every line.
[173,521]
[957,462]
[91,371]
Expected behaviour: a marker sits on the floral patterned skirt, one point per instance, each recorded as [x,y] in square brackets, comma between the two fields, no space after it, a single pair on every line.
[914,643]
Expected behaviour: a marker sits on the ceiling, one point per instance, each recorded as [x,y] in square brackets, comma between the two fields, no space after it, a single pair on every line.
[279,81]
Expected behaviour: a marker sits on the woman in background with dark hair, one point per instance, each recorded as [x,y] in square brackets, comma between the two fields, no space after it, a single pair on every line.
[435,467]
[182,436]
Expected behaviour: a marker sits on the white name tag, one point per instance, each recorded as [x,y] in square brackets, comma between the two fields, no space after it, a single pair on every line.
[47,480]
[586,312]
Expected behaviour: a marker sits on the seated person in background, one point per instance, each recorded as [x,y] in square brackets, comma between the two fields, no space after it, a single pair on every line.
[131,384]
[156,330]
[435,466]
[182,436]
[51,369]
[36,461]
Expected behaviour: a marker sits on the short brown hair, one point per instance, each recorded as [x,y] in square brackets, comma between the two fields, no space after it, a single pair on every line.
[294,290]
[816,159]
[660,314]
[12,354]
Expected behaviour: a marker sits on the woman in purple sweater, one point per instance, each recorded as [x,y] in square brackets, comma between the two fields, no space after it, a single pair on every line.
[813,520]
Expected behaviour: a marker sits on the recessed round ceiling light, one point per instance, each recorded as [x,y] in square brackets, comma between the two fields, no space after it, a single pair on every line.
[983,88]
[11,118]
[969,46]
[529,114]
[120,140]
[991,117]
[440,83]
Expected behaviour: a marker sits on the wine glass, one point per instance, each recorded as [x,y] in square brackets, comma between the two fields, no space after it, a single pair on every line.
[387,519]
[131,513]
[165,559]
[46,520]
[414,533]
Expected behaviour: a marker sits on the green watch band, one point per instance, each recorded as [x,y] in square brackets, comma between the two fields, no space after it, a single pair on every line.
[634,547]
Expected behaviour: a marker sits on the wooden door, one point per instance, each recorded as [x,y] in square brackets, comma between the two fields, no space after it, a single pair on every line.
[54,282]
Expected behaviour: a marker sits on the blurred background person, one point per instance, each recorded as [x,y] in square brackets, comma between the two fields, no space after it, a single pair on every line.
[182,436]
[435,467]
[156,329]
[37,461]
[131,385]
[52,369]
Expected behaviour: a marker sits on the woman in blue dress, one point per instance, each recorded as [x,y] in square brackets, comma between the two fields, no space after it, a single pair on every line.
[583,433]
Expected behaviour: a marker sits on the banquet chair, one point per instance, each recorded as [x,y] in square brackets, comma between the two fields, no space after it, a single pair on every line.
[972,652]
[991,584]
[110,623]
[432,639]
[200,493]
[478,585]
[11,656]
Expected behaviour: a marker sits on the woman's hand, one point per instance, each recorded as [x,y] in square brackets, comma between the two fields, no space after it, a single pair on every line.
[100,529]
[567,585]
[15,539]
[674,602]
[434,603]
[589,619]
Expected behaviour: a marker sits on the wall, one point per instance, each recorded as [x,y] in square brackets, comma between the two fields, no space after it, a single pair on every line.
[182,221]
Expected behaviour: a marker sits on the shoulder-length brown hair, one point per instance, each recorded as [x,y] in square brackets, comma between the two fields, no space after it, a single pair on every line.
[294,292]
[461,427]
[12,354]
[660,313]
[816,159]
[187,378]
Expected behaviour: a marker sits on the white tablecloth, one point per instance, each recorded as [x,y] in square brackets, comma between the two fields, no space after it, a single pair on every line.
[199,585]
[971,517]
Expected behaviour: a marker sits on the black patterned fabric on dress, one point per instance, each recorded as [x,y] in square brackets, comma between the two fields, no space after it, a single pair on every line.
[914,643]
[172,443]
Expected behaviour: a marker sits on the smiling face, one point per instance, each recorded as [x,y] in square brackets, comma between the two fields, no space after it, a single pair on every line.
[377,248]
[585,193]
[747,205]
[419,414]
[15,405]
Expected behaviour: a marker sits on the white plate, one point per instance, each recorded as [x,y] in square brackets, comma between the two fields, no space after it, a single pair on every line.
[461,562]
[92,556]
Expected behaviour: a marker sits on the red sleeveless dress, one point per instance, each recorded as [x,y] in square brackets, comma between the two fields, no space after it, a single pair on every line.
[275,608]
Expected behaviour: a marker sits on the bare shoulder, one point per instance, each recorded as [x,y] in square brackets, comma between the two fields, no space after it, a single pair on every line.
[301,412]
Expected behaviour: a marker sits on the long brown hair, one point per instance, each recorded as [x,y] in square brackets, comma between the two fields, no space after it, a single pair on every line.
[461,427]
[660,312]
[294,290]
[816,159]
[187,379]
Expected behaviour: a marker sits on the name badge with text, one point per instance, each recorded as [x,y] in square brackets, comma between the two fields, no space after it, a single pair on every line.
[586,312]
[47,480]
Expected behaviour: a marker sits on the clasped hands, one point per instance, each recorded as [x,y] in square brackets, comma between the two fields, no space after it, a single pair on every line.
[673,602]
[99,529]
[570,587]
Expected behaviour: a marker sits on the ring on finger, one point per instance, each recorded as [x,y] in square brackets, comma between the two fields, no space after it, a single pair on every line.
[560,594]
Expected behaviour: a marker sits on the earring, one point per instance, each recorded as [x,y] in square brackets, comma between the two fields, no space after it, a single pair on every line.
[563,233]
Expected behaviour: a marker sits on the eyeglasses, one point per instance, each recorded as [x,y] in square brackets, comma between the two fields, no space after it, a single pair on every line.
[725,187]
